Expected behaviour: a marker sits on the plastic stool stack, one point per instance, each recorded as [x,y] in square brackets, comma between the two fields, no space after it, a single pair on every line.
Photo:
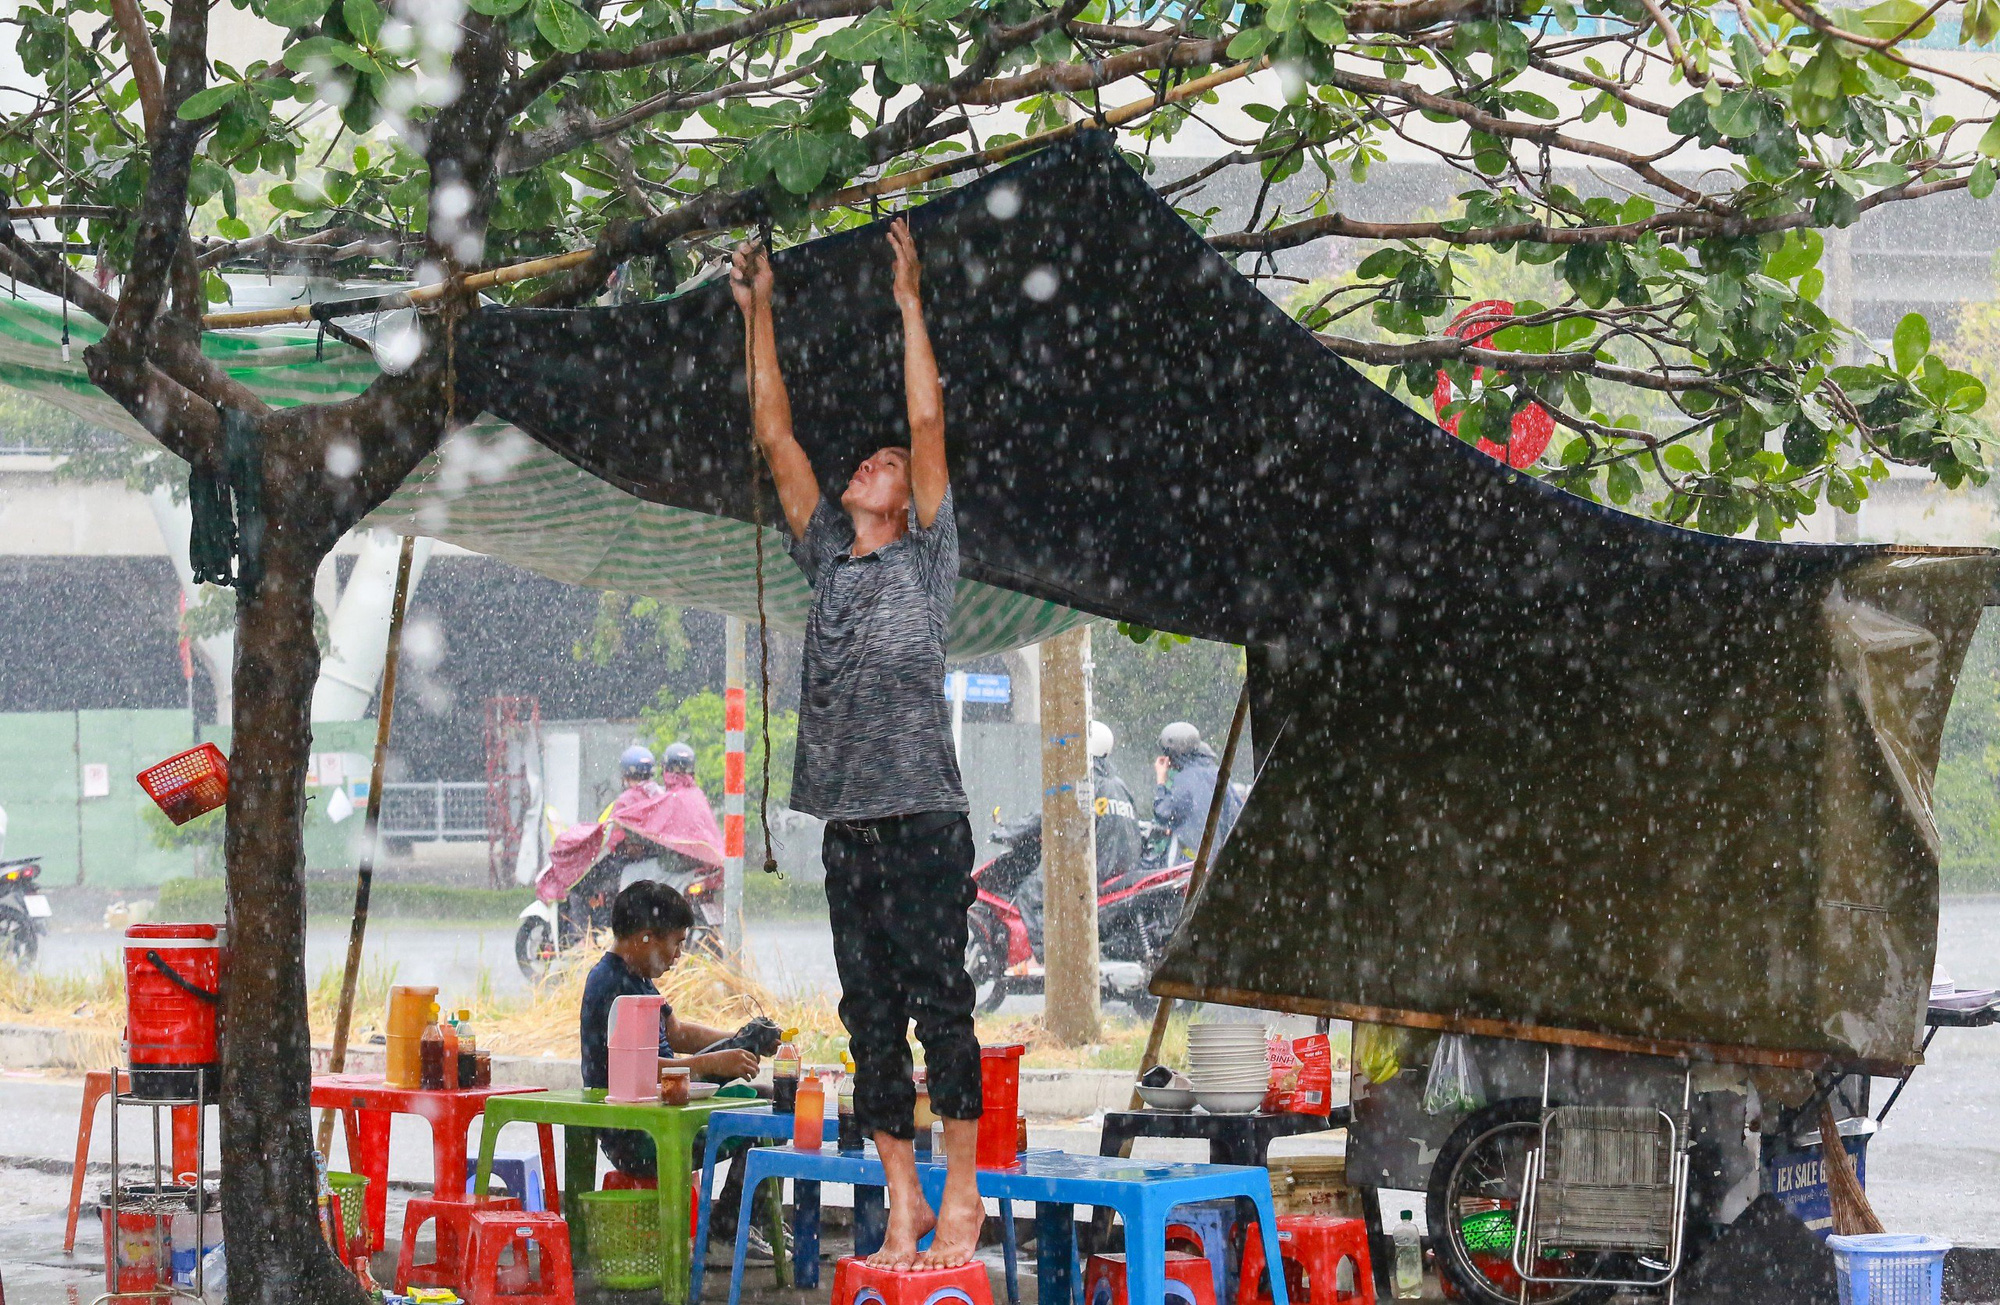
[1190,1281]
[1889,1268]
[1312,1247]
[1207,1226]
[857,1282]
[453,1216]
[520,1172]
[545,1278]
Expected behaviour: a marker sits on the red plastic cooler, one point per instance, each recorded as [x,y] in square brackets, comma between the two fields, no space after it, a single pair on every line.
[173,1007]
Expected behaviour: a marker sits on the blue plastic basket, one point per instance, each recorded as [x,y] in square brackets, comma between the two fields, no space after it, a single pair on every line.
[1889,1268]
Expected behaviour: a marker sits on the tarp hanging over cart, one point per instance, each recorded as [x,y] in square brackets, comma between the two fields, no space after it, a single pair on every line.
[1528,763]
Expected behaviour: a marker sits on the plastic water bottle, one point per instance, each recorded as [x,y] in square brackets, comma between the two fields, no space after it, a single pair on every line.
[1409,1260]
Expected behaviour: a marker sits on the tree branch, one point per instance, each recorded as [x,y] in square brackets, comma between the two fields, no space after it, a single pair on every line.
[530,87]
[138,39]
[1060,77]
[526,151]
[1449,347]
[163,213]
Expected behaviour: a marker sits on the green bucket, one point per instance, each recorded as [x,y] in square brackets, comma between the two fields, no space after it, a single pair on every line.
[352,1189]
[622,1233]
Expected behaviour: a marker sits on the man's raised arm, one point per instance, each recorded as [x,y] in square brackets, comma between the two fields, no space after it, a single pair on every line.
[771,406]
[924,393]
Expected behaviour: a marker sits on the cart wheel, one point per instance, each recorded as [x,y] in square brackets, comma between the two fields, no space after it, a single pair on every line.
[1475,1189]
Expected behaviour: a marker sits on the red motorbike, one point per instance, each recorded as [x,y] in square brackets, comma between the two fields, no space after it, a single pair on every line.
[1137,911]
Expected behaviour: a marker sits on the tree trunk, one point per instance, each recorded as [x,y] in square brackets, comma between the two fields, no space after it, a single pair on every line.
[269,1212]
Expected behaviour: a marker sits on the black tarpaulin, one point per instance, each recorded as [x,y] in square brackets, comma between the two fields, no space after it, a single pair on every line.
[1526,761]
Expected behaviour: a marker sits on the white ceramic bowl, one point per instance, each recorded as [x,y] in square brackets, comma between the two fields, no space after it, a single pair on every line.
[702,1091]
[1229,1103]
[1167,1098]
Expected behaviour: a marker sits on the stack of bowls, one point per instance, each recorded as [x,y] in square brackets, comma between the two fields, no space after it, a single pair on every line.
[1229,1067]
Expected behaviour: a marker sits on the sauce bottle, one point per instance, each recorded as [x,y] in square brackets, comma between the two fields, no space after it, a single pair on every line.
[848,1134]
[785,1074]
[448,1059]
[809,1115]
[430,1053]
[468,1050]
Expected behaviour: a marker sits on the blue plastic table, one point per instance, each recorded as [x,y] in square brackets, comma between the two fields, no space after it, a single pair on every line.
[754,1122]
[1143,1192]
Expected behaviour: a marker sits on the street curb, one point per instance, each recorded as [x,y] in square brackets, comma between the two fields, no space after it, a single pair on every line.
[1045,1093]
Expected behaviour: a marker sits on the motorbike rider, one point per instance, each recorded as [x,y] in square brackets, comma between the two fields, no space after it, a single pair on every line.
[1117,829]
[1186,771]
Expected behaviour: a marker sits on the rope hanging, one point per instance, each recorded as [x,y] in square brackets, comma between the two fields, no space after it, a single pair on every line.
[757,519]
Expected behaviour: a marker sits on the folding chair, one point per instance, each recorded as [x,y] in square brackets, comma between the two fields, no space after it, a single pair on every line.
[1610,1179]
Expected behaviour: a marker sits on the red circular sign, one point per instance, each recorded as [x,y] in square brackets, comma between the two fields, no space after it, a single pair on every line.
[1532,428]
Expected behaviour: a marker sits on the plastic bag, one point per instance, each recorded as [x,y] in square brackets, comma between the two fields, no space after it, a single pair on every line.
[1454,1084]
[1378,1051]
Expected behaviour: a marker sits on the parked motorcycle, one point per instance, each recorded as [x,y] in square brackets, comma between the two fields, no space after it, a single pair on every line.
[24,911]
[1137,912]
[548,929]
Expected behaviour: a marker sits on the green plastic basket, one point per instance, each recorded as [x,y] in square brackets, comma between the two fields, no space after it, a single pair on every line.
[352,1189]
[1489,1233]
[622,1232]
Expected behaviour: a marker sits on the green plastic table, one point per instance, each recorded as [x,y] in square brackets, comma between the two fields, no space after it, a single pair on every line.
[582,1112]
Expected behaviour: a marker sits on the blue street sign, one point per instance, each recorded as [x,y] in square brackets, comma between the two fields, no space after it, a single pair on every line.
[984,688]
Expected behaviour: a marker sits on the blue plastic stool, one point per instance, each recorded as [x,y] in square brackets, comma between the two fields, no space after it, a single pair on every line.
[1213,1223]
[520,1172]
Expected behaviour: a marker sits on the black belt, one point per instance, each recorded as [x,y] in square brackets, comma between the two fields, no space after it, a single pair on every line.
[895,829]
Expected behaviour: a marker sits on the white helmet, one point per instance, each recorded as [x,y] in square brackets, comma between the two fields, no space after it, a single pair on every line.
[1101,740]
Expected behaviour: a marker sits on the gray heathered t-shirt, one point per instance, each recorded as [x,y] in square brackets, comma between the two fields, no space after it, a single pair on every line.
[874,725]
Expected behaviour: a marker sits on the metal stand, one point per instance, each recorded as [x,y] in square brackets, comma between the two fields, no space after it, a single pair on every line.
[162,1179]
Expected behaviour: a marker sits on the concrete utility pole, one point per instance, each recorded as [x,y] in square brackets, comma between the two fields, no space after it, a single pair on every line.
[733,758]
[1069,840]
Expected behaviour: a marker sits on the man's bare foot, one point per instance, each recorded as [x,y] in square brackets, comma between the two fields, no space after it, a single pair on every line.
[908,1222]
[959,1222]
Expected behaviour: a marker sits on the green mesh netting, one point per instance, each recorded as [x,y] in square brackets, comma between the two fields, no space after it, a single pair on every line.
[622,1232]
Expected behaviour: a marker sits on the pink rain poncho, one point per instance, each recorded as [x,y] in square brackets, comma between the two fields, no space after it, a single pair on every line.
[673,814]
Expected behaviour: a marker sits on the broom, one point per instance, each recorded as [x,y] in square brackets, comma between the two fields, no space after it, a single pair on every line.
[1852,1215]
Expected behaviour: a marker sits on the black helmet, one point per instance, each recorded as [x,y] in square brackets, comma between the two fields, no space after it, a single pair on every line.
[678,759]
[1179,740]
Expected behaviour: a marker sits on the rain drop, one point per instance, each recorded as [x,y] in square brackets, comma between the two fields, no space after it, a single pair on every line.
[1041,284]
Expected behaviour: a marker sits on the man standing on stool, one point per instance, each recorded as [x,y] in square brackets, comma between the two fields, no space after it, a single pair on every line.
[876,762]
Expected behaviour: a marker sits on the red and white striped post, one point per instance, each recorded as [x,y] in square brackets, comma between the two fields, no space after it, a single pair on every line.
[734,713]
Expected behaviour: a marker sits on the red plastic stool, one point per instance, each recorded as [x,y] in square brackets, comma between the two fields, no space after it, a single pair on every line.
[497,1232]
[1190,1280]
[453,1215]
[857,1282]
[1311,1247]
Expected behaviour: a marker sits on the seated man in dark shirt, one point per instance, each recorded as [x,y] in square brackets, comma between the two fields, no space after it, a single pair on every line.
[649,925]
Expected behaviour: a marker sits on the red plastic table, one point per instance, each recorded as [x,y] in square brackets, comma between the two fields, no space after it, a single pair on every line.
[366,1104]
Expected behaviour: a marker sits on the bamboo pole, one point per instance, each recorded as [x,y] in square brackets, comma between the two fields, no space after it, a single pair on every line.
[299,314]
[423,294]
[1199,873]
[364,876]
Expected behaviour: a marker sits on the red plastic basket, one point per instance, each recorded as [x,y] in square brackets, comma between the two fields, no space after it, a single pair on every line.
[189,784]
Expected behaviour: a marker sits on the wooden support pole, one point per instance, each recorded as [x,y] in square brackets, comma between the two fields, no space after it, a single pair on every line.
[1202,860]
[1069,842]
[364,876]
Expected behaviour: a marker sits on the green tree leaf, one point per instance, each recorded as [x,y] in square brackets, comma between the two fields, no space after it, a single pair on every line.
[212,100]
[1912,342]
[364,19]
[565,26]
[294,13]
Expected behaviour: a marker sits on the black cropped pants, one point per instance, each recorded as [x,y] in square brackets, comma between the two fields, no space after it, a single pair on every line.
[897,891]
